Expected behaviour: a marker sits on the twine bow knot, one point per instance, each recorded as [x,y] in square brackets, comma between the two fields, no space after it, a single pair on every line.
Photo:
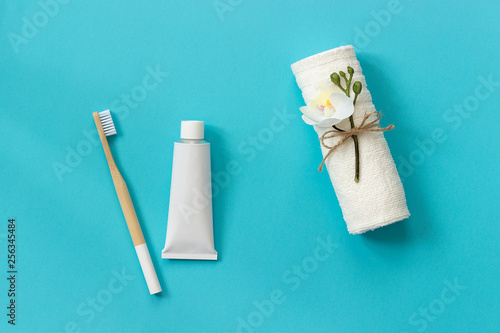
[368,127]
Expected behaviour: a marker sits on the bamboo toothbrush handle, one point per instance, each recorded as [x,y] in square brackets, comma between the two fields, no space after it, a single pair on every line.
[128,208]
[121,189]
[129,213]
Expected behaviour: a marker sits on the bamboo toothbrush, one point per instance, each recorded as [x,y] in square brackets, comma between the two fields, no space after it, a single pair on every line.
[105,127]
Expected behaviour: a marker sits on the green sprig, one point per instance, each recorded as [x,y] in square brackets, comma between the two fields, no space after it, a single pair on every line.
[357,87]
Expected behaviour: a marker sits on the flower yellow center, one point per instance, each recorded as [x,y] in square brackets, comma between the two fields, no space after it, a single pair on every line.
[322,103]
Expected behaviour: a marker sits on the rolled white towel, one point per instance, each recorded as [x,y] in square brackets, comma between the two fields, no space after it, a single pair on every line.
[378,199]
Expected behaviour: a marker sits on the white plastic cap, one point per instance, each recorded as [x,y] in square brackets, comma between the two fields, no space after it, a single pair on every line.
[192,130]
[148,269]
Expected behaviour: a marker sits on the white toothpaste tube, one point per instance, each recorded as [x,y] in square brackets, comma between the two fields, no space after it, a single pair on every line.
[190,226]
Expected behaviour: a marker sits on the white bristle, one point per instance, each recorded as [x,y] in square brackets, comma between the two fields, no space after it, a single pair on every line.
[107,123]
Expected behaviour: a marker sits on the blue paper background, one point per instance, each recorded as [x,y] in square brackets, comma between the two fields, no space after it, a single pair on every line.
[233,71]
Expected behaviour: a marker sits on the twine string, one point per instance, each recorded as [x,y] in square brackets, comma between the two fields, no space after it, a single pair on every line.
[368,127]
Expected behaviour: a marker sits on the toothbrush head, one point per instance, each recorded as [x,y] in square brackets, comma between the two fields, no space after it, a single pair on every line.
[107,123]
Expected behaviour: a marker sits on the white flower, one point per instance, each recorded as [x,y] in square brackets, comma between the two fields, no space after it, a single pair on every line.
[326,113]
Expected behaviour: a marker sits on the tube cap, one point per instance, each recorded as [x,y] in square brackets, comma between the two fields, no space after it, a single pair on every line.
[192,130]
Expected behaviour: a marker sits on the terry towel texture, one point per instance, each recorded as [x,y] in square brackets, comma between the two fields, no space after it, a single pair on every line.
[378,199]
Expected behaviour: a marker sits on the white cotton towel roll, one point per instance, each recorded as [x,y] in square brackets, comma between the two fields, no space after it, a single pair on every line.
[378,199]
